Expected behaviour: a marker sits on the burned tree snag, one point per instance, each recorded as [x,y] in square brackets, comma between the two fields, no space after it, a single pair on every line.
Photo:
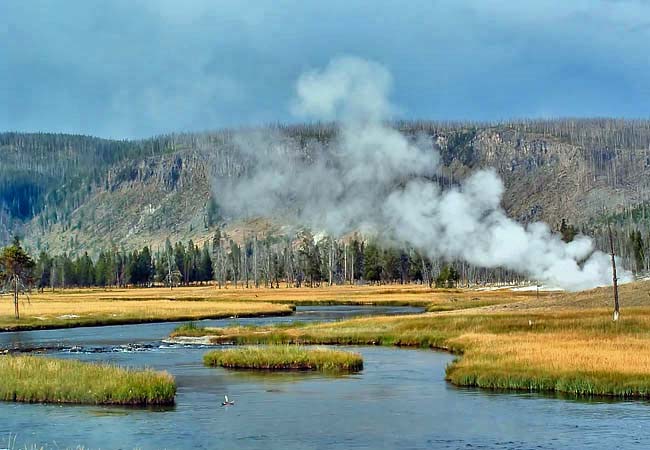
[611,247]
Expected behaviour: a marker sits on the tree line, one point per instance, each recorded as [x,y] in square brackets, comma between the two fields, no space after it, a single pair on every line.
[300,260]
[270,261]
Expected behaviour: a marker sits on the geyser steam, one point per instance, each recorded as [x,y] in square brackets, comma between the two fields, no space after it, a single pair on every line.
[372,178]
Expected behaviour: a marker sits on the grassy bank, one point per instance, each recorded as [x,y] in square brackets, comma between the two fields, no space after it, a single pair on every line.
[43,313]
[285,357]
[45,380]
[572,346]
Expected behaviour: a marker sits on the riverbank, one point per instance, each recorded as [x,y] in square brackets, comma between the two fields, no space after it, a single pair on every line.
[62,312]
[285,357]
[570,345]
[32,379]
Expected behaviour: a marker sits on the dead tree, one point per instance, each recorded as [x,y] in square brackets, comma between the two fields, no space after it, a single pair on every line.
[611,247]
[257,281]
[345,263]
[330,263]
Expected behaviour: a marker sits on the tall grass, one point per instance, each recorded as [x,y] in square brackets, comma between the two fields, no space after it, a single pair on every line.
[285,357]
[46,380]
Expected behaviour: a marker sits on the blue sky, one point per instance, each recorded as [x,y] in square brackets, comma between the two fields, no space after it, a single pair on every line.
[135,68]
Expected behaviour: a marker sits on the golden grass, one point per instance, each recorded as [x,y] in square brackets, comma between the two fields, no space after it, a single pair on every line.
[59,311]
[572,362]
[568,346]
[395,294]
[285,357]
[120,306]
[46,380]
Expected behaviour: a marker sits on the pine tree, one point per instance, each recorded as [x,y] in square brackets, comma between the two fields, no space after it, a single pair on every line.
[206,270]
[44,270]
[638,250]
[16,271]
[373,263]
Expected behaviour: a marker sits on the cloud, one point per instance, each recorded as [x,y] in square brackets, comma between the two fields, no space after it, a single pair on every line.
[136,68]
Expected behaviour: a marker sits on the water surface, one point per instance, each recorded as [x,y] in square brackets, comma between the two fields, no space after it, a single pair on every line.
[399,400]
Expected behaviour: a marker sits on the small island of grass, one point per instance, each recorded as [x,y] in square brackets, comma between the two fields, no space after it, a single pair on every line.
[285,357]
[32,379]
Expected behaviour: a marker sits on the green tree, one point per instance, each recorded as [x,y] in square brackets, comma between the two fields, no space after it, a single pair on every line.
[206,270]
[44,270]
[448,277]
[638,250]
[85,271]
[373,262]
[102,270]
[16,271]
[145,267]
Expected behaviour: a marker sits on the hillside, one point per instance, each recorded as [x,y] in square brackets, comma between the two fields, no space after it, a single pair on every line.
[77,193]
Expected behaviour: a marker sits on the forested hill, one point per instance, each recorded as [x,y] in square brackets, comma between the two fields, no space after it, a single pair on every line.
[69,193]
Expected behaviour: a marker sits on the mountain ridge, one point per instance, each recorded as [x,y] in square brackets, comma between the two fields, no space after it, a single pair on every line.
[72,193]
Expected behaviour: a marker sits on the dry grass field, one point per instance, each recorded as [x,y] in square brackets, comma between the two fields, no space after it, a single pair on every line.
[408,294]
[68,308]
[59,311]
[561,342]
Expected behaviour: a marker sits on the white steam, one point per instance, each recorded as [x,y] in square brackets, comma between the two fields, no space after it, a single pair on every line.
[372,178]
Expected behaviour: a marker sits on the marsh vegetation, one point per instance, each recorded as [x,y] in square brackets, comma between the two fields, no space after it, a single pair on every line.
[33,379]
[572,346]
[285,357]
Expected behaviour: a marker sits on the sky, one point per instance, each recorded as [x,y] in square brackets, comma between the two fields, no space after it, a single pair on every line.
[136,68]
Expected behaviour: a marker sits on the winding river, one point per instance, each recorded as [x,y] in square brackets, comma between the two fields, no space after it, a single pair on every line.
[399,400]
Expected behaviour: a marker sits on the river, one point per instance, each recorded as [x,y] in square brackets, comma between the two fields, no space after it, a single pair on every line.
[399,401]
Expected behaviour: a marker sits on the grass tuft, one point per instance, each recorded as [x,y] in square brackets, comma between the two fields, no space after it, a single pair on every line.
[34,379]
[285,357]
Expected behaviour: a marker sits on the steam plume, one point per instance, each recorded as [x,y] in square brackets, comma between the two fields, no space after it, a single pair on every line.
[374,179]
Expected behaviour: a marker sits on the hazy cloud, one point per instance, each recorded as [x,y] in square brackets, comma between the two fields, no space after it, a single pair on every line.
[133,68]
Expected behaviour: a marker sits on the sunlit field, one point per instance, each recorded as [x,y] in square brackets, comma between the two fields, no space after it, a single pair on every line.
[404,294]
[59,310]
[65,308]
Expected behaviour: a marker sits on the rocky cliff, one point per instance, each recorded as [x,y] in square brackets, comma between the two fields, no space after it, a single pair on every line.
[75,193]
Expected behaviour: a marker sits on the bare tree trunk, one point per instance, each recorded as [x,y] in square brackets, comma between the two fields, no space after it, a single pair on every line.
[257,282]
[425,273]
[16,297]
[246,261]
[345,263]
[268,267]
[611,247]
[330,260]
[219,267]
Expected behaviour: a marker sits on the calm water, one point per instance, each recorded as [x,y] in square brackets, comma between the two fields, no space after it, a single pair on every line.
[400,400]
